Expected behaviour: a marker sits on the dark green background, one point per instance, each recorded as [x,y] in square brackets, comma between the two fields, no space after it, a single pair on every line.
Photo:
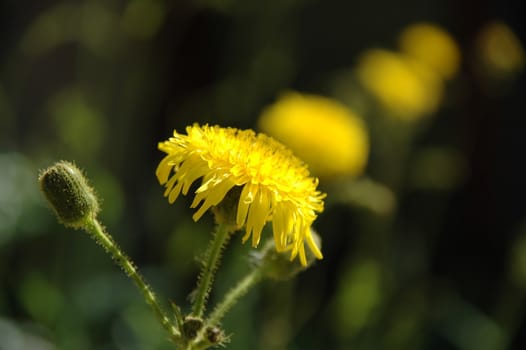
[79,82]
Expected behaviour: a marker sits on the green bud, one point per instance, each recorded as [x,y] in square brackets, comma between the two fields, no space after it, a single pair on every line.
[191,326]
[225,212]
[278,266]
[215,335]
[69,194]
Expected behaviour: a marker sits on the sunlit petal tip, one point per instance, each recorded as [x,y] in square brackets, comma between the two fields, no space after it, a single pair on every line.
[242,211]
[303,257]
[278,239]
[245,237]
[293,254]
[312,245]
[169,185]
[163,171]
[172,196]
[197,215]
[197,199]
[256,237]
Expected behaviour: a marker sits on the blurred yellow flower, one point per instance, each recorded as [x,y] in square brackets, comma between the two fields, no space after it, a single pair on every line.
[326,134]
[432,46]
[274,184]
[499,49]
[403,86]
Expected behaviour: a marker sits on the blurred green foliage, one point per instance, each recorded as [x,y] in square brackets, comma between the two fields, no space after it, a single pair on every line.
[425,251]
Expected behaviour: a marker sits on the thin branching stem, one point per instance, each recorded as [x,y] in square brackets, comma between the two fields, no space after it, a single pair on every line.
[209,268]
[233,295]
[95,229]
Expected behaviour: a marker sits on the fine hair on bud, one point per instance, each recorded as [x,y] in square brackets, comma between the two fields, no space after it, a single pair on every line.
[68,192]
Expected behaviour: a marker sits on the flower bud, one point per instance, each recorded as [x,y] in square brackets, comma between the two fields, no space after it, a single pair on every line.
[278,266]
[191,326]
[225,211]
[69,194]
[215,335]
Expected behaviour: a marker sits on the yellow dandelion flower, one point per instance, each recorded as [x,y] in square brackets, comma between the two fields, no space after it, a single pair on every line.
[500,50]
[403,86]
[432,46]
[326,134]
[274,184]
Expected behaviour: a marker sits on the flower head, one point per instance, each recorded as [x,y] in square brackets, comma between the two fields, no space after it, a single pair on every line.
[500,51]
[433,46]
[323,132]
[404,87]
[274,185]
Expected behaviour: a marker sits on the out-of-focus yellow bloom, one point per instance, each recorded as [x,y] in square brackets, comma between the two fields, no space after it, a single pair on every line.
[326,134]
[274,184]
[405,88]
[432,46]
[500,50]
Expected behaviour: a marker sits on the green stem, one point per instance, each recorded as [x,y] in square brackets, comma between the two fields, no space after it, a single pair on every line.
[209,268]
[231,298]
[95,229]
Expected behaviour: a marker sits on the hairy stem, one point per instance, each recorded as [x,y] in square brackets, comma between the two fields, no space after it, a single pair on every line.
[97,232]
[209,268]
[233,295]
